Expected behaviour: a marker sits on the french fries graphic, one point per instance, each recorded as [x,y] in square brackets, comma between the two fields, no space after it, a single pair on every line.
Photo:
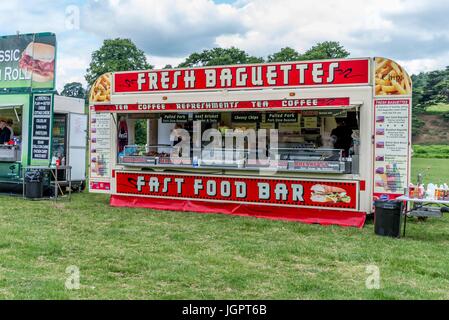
[101,90]
[390,78]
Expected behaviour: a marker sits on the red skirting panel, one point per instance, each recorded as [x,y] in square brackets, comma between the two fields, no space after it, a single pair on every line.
[305,215]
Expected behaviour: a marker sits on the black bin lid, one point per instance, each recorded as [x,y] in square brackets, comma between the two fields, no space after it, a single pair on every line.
[391,204]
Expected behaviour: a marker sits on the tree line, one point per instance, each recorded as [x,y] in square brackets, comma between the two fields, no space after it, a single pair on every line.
[429,88]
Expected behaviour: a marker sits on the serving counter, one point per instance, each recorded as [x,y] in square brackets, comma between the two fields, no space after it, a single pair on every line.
[9,153]
[281,159]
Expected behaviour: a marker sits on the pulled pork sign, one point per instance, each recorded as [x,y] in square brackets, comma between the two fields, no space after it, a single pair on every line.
[297,74]
[265,191]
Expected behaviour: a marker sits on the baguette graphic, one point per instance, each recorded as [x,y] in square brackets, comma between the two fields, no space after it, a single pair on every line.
[323,189]
[329,194]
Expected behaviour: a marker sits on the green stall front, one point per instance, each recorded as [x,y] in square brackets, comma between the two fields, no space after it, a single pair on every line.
[32,133]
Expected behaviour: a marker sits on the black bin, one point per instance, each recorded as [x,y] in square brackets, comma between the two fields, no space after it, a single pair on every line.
[388,218]
[34,185]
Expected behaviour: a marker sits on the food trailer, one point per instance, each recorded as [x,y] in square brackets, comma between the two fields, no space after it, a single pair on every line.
[309,141]
[45,129]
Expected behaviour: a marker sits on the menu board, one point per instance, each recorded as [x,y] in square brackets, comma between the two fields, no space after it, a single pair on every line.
[310,122]
[174,118]
[333,113]
[42,111]
[100,150]
[281,117]
[246,117]
[207,117]
[391,143]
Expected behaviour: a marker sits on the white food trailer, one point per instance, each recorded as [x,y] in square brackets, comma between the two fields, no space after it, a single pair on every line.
[138,122]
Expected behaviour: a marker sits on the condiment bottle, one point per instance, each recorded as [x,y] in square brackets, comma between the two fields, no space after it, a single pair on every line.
[421,191]
[411,190]
[431,191]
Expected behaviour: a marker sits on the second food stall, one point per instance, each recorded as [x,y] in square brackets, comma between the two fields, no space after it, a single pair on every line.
[44,129]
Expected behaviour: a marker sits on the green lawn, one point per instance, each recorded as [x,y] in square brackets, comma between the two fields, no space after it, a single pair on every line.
[144,254]
[433,170]
[434,152]
[438,108]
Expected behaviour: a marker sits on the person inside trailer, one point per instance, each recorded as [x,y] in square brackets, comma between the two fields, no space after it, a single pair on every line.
[9,125]
[342,136]
[5,133]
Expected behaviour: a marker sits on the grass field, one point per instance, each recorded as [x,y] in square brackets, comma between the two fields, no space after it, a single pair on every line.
[144,254]
[431,151]
[438,108]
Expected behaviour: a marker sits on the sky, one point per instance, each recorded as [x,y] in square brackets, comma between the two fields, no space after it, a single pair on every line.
[413,32]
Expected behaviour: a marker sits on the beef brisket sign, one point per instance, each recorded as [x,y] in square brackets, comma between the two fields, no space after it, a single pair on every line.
[249,190]
[297,74]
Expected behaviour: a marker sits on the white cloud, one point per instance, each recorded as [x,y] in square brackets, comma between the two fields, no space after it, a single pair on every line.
[161,62]
[169,27]
[415,66]
[413,32]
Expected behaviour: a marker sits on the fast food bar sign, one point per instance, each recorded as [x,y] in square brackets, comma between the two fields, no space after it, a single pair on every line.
[286,104]
[257,190]
[297,74]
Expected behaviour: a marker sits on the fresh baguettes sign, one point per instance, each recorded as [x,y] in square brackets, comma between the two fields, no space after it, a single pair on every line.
[28,61]
[295,74]
[263,191]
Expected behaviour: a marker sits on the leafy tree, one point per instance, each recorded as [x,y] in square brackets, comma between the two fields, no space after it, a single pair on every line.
[325,50]
[429,88]
[141,131]
[284,55]
[116,55]
[74,89]
[219,56]
[168,66]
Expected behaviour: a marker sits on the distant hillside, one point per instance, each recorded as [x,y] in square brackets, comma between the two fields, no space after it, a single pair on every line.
[434,130]
[431,107]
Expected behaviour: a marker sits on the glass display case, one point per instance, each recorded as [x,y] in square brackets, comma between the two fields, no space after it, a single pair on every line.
[149,155]
[9,153]
[285,159]
[314,160]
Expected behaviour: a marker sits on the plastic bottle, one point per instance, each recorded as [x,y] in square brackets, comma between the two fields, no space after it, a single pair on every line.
[53,160]
[411,190]
[431,191]
[441,192]
[421,191]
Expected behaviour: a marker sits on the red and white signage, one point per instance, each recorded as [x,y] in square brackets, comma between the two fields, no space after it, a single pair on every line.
[100,186]
[230,105]
[256,190]
[297,74]
[392,139]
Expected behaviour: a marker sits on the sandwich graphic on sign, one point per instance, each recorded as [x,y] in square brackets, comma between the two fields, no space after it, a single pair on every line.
[39,59]
[328,194]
